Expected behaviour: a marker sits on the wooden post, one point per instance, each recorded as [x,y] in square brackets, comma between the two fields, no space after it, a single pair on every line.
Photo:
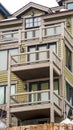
[51,88]
[8,93]
[40,35]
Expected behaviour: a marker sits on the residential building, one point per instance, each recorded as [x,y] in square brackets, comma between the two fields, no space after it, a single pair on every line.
[36,64]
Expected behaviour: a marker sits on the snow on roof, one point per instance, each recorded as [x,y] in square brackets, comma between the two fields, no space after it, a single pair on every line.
[9,19]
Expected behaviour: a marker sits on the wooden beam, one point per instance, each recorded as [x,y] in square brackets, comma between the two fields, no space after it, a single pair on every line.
[51,88]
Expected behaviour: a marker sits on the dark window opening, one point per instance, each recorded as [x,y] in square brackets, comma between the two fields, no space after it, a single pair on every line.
[68,59]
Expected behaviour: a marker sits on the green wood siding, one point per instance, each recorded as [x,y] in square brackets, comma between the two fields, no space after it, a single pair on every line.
[68,75]
[36,11]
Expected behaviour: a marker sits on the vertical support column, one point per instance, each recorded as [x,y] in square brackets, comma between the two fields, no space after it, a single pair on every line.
[51,88]
[8,92]
[62,30]
[40,35]
[19,37]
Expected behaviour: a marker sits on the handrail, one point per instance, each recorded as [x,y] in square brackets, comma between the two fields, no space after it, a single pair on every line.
[68,36]
[16,59]
[67,103]
[68,32]
[33,92]
[23,35]
[57,56]
[58,96]
[25,53]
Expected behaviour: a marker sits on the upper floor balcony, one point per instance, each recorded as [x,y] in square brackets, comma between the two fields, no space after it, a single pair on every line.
[41,33]
[35,64]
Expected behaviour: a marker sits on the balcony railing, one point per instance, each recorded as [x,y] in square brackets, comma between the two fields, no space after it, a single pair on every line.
[41,56]
[33,98]
[68,108]
[36,33]
[9,36]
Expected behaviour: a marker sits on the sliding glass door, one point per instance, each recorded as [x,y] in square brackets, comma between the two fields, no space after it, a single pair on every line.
[39,86]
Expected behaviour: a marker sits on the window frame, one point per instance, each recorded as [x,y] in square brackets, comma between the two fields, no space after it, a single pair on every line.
[69,4]
[7,58]
[37,49]
[68,59]
[33,22]
[5,90]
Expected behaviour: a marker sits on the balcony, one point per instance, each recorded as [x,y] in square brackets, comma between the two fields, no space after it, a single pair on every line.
[35,68]
[41,33]
[30,105]
[8,37]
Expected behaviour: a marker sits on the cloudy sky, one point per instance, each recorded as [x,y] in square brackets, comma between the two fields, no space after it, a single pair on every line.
[13,5]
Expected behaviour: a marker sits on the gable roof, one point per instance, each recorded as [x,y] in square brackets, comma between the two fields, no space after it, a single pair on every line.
[4,11]
[28,6]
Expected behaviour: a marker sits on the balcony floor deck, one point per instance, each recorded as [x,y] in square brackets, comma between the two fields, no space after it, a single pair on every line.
[32,71]
[25,113]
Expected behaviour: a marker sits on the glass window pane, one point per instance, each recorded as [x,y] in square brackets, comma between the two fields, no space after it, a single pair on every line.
[29,23]
[32,57]
[1,95]
[68,59]
[34,96]
[36,33]
[50,31]
[58,30]
[37,21]
[53,47]
[3,60]
[29,35]
[13,90]
[70,5]
[56,90]
[42,55]
[14,52]
[45,95]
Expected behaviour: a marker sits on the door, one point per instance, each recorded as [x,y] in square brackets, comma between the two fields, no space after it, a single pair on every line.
[34,96]
[45,96]
[39,86]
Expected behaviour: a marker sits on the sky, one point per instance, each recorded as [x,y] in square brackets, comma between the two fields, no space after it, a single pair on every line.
[14,5]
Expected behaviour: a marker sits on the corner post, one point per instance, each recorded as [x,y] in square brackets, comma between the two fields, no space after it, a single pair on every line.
[51,88]
[8,92]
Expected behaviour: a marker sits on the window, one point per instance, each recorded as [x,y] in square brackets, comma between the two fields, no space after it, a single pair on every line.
[3,93]
[4,54]
[70,5]
[68,59]
[3,60]
[32,34]
[33,22]
[38,86]
[49,31]
[69,92]
[43,85]
[40,55]
[69,97]
[10,35]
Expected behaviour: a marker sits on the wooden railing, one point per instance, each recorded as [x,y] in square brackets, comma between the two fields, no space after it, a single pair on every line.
[9,36]
[29,98]
[67,108]
[30,34]
[23,58]
[35,98]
